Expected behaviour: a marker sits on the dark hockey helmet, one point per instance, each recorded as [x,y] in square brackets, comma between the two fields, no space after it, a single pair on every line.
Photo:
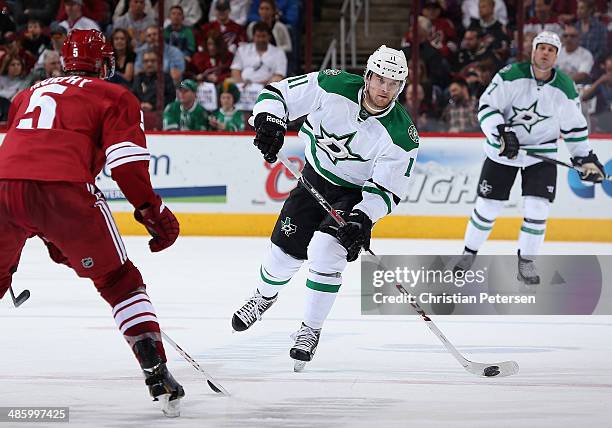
[88,51]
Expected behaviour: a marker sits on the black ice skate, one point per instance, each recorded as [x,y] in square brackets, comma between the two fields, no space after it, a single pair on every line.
[162,386]
[465,261]
[527,274]
[306,341]
[252,311]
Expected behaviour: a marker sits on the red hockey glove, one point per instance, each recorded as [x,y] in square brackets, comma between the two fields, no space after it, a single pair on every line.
[160,222]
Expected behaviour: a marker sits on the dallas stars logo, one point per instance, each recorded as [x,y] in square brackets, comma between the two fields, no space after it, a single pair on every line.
[527,117]
[287,227]
[337,147]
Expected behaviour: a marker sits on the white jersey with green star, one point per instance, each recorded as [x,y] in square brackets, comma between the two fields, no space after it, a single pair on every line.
[539,113]
[344,144]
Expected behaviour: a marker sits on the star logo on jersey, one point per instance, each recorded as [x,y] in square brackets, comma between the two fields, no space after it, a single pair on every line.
[527,117]
[337,147]
[485,188]
[287,228]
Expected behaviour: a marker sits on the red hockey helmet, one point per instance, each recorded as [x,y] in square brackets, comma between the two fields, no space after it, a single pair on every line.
[88,51]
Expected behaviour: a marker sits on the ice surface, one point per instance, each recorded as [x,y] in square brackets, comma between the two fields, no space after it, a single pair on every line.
[61,348]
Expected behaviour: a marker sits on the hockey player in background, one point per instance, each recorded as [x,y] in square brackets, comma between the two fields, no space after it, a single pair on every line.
[524,110]
[61,132]
[361,147]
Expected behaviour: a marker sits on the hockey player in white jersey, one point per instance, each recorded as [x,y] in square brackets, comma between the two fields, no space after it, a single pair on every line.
[525,109]
[361,146]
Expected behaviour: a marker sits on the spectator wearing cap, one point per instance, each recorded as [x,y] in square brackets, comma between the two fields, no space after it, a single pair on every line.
[75,19]
[443,35]
[174,61]
[58,35]
[136,21]
[470,10]
[232,32]
[227,118]
[185,114]
[259,61]
[43,10]
[179,35]
[491,31]
[145,83]
[544,19]
[239,10]
[213,64]
[573,59]
[33,40]
[460,113]
[593,34]
[280,36]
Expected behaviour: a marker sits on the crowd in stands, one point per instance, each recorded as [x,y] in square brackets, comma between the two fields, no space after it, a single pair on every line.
[218,54]
[462,44]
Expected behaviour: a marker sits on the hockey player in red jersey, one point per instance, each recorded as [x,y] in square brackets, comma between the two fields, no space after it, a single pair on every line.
[61,132]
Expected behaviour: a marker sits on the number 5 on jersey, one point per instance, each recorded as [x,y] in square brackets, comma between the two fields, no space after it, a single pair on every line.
[47,107]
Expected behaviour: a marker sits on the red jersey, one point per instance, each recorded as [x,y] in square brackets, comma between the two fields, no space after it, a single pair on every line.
[67,128]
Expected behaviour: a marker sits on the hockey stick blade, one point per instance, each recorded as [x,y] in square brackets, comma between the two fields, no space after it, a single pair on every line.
[213,384]
[501,369]
[19,300]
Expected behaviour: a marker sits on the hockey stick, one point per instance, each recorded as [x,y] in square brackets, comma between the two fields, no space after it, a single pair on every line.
[500,369]
[213,384]
[19,300]
[561,163]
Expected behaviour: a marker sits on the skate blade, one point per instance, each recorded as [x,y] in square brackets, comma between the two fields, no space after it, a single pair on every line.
[299,366]
[170,408]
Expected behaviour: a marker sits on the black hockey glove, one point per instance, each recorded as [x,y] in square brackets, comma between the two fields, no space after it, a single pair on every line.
[593,169]
[509,143]
[270,134]
[355,234]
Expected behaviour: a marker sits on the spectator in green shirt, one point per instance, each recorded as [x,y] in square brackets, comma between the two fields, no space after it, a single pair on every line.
[178,35]
[186,114]
[227,118]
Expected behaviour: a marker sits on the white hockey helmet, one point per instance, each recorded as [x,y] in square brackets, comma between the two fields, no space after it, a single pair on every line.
[549,38]
[387,62]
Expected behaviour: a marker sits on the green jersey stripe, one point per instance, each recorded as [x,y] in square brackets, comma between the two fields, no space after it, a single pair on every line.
[381,193]
[291,86]
[271,96]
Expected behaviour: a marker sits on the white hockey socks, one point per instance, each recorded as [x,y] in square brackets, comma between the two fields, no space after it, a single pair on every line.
[326,261]
[481,222]
[535,211]
[276,271]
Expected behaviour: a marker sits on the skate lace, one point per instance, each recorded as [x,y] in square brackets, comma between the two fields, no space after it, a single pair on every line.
[306,338]
[253,309]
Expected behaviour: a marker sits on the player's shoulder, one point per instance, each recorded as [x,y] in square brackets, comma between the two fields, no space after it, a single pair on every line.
[565,84]
[400,128]
[516,71]
[341,83]
[118,95]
